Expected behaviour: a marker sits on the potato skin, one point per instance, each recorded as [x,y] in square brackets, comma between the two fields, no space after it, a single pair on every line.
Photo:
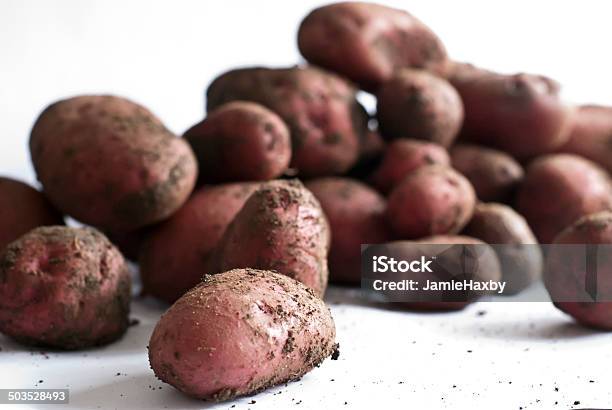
[565,276]
[521,260]
[64,288]
[369,42]
[176,254]
[433,200]
[487,268]
[356,215]
[240,332]
[558,189]
[23,208]
[404,156]
[110,163]
[325,120]
[417,104]
[242,133]
[281,227]
[521,114]
[494,174]
[591,135]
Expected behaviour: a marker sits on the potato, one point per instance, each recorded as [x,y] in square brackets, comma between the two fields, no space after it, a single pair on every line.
[240,332]
[433,200]
[521,114]
[281,227]
[416,104]
[450,262]
[591,135]
[494,174]
[110,163]
[242,133]
[513,241]
[64,288]
[404,156]
[458,70]
[369,42]
[325,120]
[23,208]
[567,267]
[356,215]
[558,189]
[177,252]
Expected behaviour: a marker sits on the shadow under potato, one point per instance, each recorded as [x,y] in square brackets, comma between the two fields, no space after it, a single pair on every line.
[141,391]
[529,330]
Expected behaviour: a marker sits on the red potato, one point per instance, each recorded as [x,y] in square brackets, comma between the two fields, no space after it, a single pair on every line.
[559,189]
[325,120]
[110,163]
[242,133]
[454,258]
[513,241]
[23,208]
[591,135]
[417,104]
[176,254]
[567,269]
[404,156]
[240,332]
[356,215]
[433,200]
[459,70]
[521,114]
[369,42]
[65,288]
[281,227]
[494,174]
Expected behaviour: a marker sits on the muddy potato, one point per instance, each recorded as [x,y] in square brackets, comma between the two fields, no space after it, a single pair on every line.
[566,273]
[110,163]
[240,141]
[176,253]
[433,200]
[404,156]
[416,104]
[453,259]
[324,118]
[64,288]
[513,241]
[368,42]
[521,114]
[240,332]
[559,189]
[591,135]
[281,227]
[494,174]
[356,215]
[23,208]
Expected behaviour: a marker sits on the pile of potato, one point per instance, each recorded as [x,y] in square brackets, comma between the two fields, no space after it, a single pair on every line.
[242,221]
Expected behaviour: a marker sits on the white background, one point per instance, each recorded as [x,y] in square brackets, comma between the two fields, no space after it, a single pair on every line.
[164,53]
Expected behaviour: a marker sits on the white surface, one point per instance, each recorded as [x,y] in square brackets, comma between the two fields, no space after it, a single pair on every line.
[163,54]
[515,355]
